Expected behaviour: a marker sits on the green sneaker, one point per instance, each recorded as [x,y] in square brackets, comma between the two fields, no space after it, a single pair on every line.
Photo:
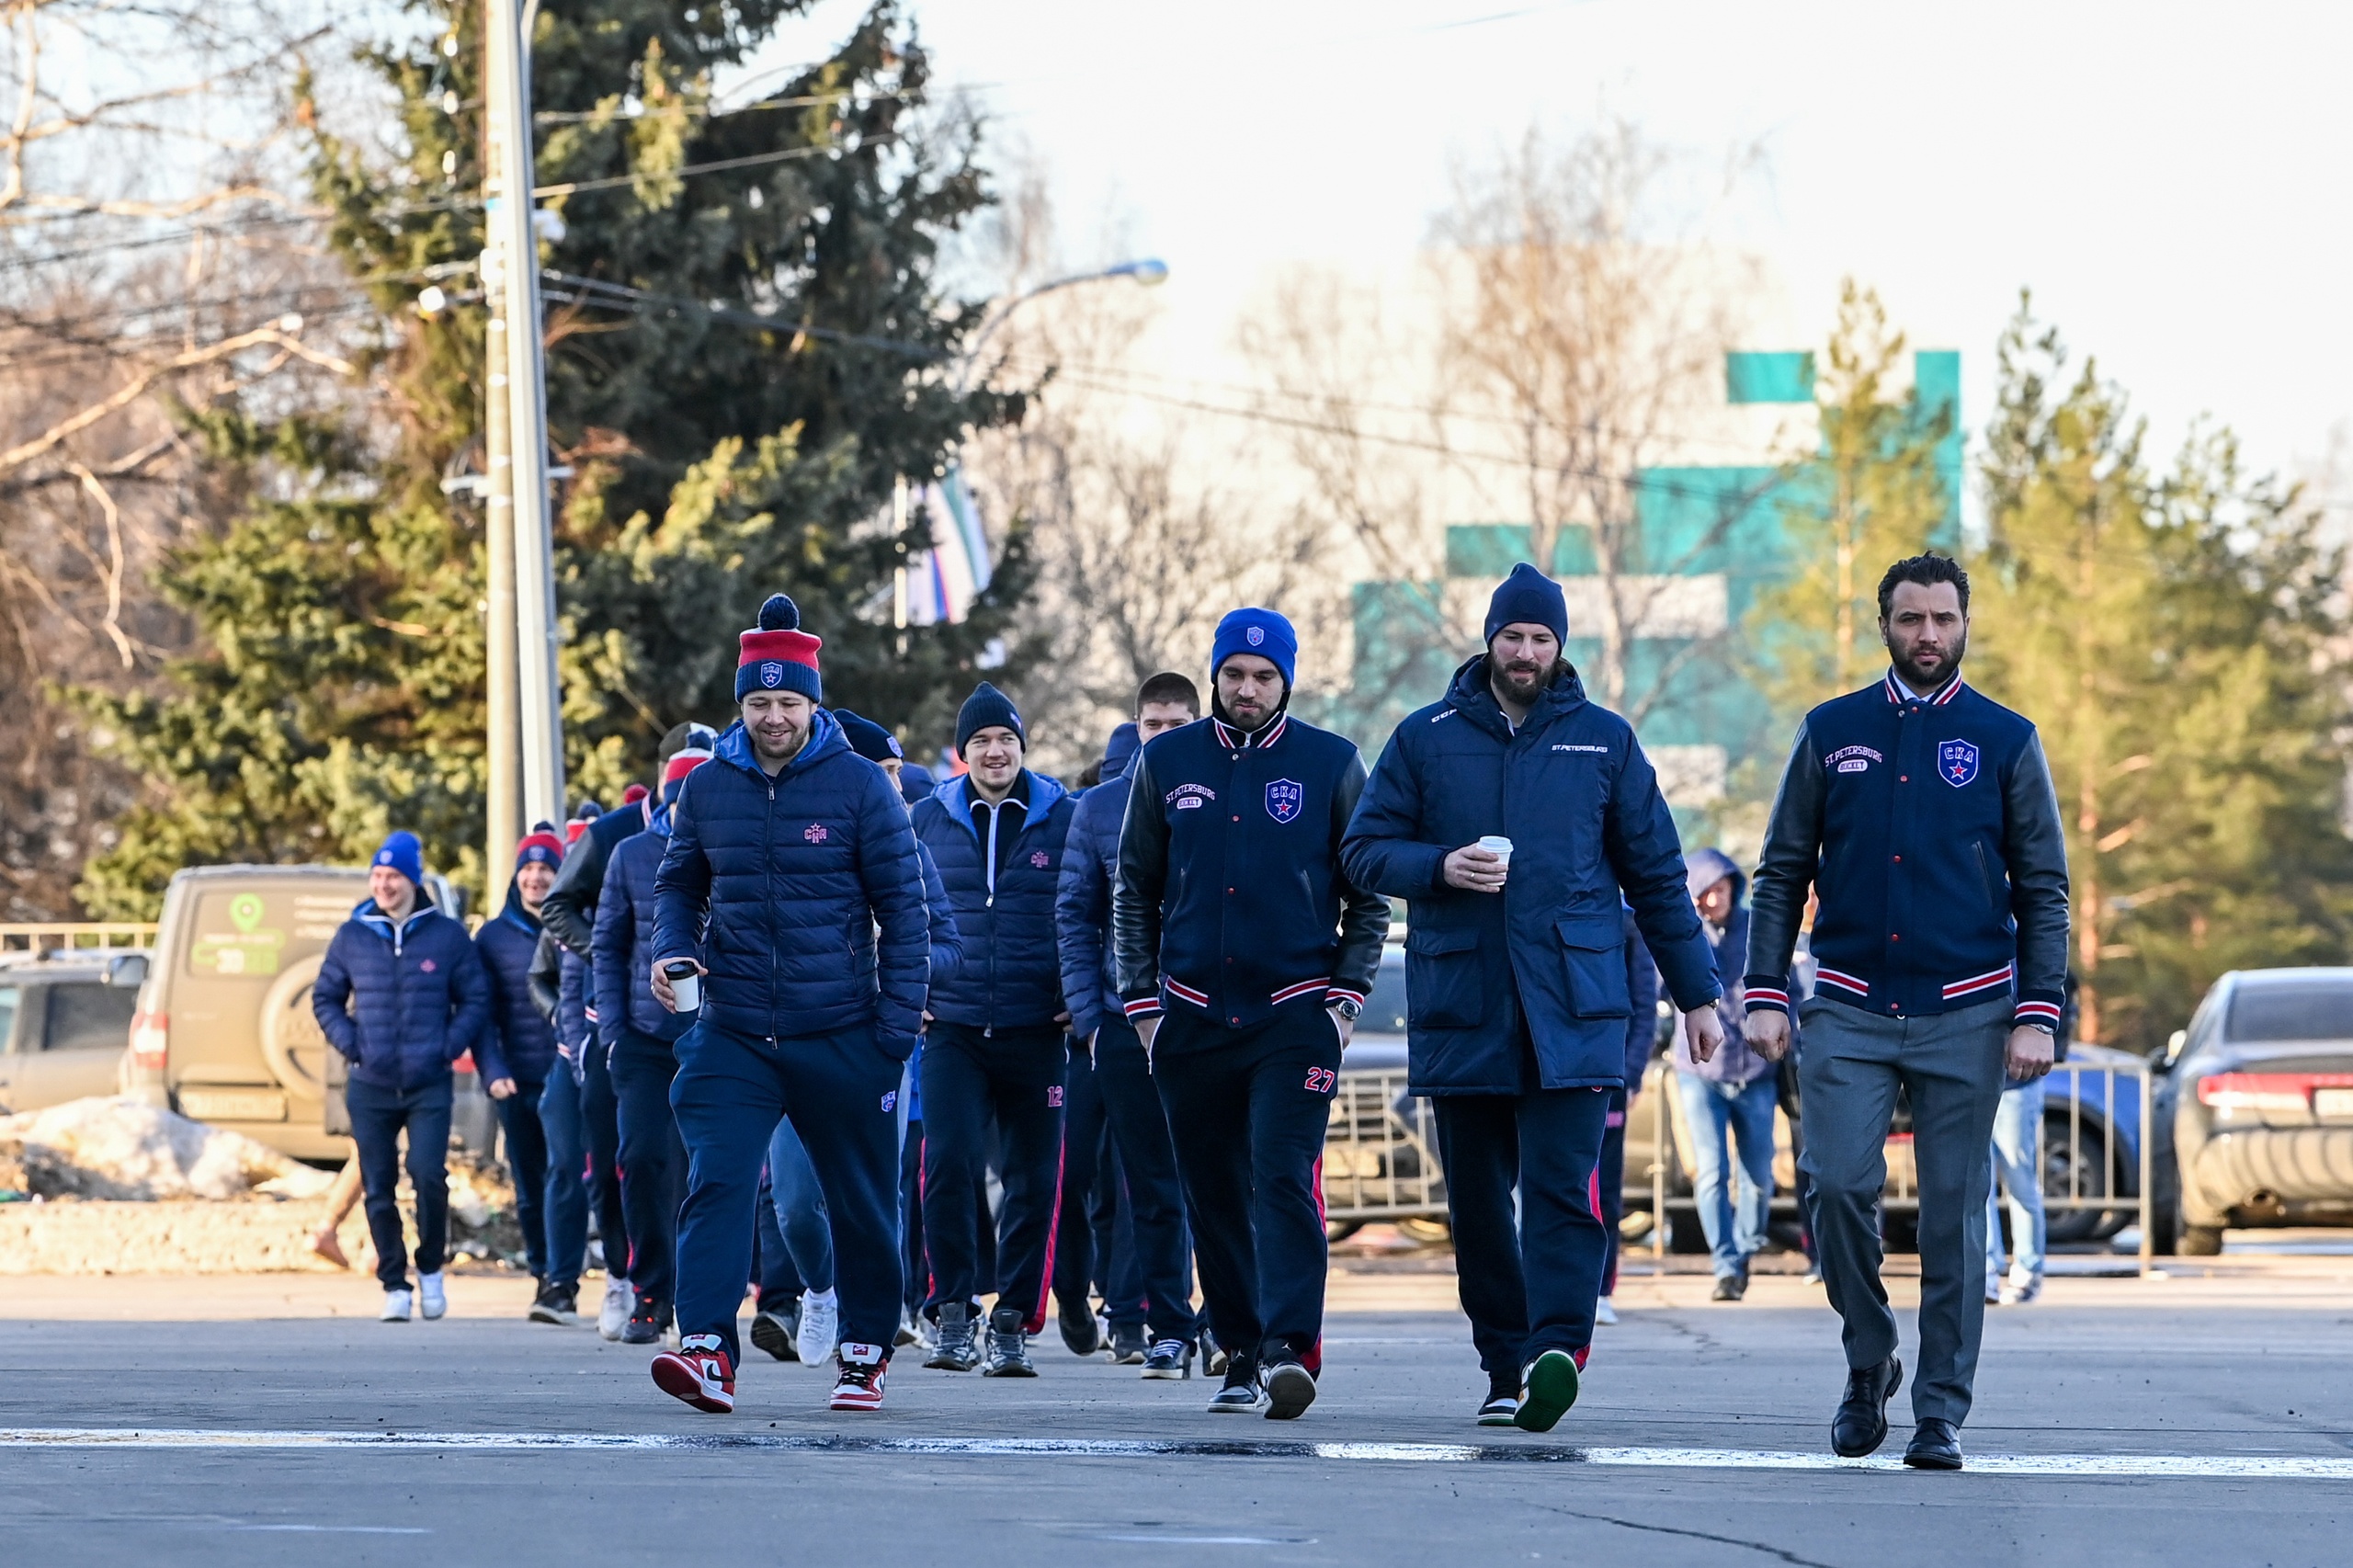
[1549,1388]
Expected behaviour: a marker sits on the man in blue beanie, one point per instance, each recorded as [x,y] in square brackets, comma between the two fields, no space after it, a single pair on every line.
[1244,954]
[1509,815]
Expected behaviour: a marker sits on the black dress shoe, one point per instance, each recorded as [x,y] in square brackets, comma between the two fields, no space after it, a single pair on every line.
[1935,1446]
[1860,1425]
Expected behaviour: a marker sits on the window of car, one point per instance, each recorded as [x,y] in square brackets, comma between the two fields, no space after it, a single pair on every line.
[7,1014]
[89,1015]
[2292,1010]
[1384,1007]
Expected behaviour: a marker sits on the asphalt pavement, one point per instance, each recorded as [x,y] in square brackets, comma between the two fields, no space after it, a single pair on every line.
[2205,1417]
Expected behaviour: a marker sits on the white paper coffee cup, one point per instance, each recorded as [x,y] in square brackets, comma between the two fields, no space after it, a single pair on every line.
[1499,846]
[685,984]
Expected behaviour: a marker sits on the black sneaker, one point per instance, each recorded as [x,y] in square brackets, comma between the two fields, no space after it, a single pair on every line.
[774,1331]
[955,1352]
[1731,1287]
[1240,1395]
[1008,1345]
[1081,1330]
[1129,1345]
[1290,1389]
[1170,1359]
[648,1324]
[1502,1408]
[557,1304]
[1213,1354]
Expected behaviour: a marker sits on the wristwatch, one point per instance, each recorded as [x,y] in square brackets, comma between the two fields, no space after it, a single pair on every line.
[2044,1028]
[1347,1009]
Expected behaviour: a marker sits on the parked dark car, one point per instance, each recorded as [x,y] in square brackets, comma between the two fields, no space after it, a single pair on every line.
[2258,1104]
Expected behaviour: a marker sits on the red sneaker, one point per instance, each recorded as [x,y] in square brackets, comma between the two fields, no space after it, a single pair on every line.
[860,1387]
[698,1372]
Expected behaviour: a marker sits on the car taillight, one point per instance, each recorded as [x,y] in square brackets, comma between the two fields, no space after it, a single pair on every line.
[151,1041]
[2268,1091]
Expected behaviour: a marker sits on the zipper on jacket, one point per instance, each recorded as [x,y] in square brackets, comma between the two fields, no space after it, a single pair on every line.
[768,849]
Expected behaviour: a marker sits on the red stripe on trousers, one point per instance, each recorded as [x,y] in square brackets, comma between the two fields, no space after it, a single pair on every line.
[1314,1359]
[1037,1322]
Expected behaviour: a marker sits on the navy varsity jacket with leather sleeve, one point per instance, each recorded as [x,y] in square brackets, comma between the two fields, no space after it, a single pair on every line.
[1230,898]
[1931,829]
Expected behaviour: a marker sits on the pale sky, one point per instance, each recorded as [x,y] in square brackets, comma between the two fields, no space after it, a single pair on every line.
[2171,180]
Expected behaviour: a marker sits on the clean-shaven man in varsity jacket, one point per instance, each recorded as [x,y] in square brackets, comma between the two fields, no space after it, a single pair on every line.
[1924,816]
[1244,957]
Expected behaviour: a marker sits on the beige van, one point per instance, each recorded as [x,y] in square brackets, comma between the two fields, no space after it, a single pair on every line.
[224,1034]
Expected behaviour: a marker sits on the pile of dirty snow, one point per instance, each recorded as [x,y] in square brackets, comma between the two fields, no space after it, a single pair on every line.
[125,1150]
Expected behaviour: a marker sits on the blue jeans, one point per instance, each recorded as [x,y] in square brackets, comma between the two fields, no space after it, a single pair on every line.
[800,1217]
[566,1204]
[2017,1165]
[379,1116]
[1734,1216]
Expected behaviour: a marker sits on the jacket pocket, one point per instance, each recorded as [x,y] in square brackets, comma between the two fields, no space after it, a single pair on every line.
[1442,980]
[1594,947]
[1987,879]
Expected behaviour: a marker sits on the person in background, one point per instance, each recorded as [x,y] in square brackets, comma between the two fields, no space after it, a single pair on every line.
[515,1056]
[639,1035]
[1731,1095]
[2018,1168]
[994,1048]
[1146,1158]
[1641,1039]
[342,1199]
[401,994]
[583,1136]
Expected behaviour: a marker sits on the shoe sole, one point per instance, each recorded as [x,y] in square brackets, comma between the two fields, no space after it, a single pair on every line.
[1290,1389]
[681,1382]
[1882,1435]
[1931,1461]
[771,1337]
[1500,1418]
[1252,1408]
[1023,1371]
[854,1402]
[1552,1388]
[1166,1374]
[950,1364]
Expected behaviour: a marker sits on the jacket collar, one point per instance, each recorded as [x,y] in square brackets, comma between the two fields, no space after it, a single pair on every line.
[825,738]
[1471,696]
[515,915]
[1045,790]
[1900,694]
[1262,737]
[376,920]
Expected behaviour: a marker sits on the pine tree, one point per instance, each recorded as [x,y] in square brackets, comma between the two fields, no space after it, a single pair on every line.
[2178,641]
[718,458]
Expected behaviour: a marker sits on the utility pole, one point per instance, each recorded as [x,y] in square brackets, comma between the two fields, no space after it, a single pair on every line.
[504,801]
[506,105]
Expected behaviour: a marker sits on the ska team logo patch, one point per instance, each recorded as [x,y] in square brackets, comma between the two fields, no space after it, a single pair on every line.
[1957,762]
[772,673]
[1285,798]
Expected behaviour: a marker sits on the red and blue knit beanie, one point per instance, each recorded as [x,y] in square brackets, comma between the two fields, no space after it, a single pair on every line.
[778,655]
[540,847]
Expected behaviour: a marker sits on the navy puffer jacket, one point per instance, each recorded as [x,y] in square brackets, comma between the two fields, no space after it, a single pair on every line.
[1011,976]
[1083,902]
[622,949]
[778,885]
[516,1042]
[401,1003]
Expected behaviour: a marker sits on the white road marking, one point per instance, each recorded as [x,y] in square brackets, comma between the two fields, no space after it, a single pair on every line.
[2235,1467]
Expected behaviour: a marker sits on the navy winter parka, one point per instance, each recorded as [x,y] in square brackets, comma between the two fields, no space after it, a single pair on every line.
[1083,900]
[516,1042]
[778,884]
[1591,835]
[621,947]
[417,999]
[1011,976]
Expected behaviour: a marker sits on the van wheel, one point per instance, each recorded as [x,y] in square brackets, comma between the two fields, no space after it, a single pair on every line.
[2199,1241]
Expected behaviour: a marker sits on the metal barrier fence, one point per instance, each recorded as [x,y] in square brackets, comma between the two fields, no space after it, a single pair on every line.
[1381,1153]
[71,936]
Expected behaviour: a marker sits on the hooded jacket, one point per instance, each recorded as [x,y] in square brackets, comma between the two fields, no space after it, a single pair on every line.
[400,1001]
[1591,836]
[1083,901]
[1003,900]
[778,885]
[1734,1063]
[621,947]
[516,1041]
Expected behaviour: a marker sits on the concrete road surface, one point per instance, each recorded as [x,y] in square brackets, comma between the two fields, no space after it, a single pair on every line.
[2202,1418]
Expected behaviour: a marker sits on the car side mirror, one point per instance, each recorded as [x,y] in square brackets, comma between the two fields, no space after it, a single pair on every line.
[2174,1043]
[127,968]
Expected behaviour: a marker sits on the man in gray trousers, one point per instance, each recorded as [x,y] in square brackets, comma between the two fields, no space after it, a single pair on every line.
[1924,814]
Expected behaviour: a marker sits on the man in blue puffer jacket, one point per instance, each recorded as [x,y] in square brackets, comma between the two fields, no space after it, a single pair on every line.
[515,1055]
[786,856]
[1147,1158]
[1515,971]
[402,995]
[995,1048]
[638,1035]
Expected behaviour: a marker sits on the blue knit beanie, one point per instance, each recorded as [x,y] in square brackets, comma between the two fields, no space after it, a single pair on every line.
[867,738]
[988,707]
[1529,596]
[1260,632]
[405,854]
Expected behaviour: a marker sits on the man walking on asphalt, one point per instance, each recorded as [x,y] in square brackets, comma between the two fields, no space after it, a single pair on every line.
[1244,957]
[515,1056]
[1147,1160]
[638,1037]
[1509,817]
[996,1049]
[1923,813]
[786,856]
[1729,1096]
[401,994]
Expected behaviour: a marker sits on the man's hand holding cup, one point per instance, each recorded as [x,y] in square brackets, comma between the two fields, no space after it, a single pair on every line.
[1481,867]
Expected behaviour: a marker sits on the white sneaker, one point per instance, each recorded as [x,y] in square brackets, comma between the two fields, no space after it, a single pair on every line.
[620,1301]
[2021,1288]
[431,1297]
[398,1306]
[821,1327]
[1604,1313]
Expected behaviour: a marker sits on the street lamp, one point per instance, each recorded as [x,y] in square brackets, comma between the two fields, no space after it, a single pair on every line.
[1149,271]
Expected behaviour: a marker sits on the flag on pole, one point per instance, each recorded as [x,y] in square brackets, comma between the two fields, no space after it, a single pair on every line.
[943,582]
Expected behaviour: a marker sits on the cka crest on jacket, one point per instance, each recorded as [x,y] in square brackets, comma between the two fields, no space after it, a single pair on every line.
[1957,760]
[1284,798]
